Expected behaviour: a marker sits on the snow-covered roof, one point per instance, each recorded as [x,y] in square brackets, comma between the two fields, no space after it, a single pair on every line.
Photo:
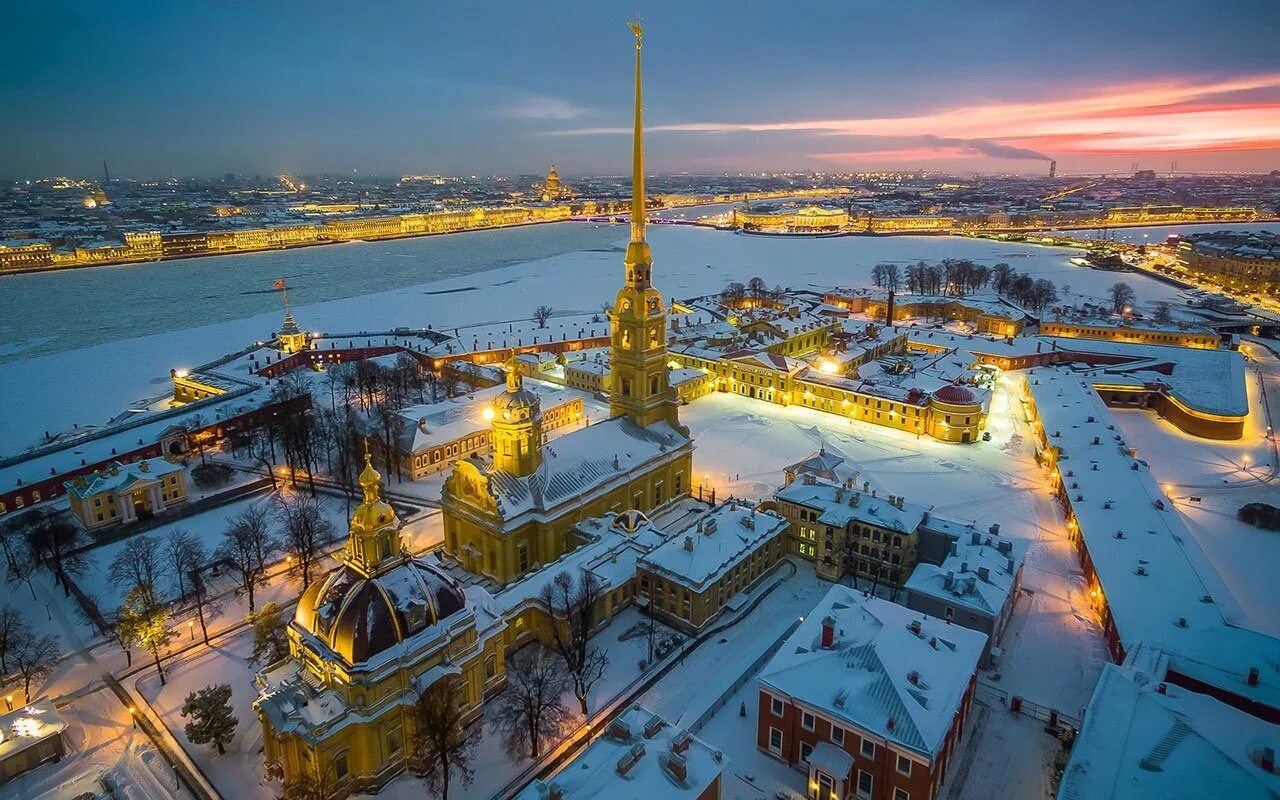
[118,477]
[640,756]
[421,427]
[1159,585]
[28,725]
[879,674]
[841,505]
[582,461]
[979,573]
[1142,738]
[722,538]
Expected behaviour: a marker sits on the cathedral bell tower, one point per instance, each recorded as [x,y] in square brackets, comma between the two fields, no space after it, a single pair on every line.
[638,349]
[373,543]
[517,426]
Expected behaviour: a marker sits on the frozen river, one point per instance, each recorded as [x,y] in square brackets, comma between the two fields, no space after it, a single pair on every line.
[100,339]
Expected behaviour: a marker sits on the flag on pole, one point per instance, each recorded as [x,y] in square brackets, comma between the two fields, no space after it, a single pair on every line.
[278,284]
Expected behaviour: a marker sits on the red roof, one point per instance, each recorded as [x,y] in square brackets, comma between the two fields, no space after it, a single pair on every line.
[955,395]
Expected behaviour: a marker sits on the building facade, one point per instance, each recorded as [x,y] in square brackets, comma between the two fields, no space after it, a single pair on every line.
[124,493]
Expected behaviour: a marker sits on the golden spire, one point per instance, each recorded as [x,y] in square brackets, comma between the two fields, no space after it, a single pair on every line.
[370,480]
[514,383]
[639,261]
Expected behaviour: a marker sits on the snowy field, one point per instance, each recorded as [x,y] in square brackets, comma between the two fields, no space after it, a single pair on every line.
[689,261]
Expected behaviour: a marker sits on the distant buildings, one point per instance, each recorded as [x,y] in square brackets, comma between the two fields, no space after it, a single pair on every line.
[1243,262]
[868,699]
[1136,331]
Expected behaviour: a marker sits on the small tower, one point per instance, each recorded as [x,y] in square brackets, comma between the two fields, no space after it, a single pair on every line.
[373,543]
[292,338]
[517,426]
[552,190]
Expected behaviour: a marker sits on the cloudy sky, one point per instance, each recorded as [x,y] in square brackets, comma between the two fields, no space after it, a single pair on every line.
[191,87]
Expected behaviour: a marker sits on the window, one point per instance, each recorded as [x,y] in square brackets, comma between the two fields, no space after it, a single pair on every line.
[775,741]
[868,748]
[949,612]
[904,765]
[490,667]
[340,768]
[837,735]
[775,706]
[865,782]
[807,721]
[900,794]
[805,750]
[393,742]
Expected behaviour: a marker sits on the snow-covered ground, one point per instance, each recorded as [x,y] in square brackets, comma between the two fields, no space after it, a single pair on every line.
[209,527]
[1224,475]
[689,261]
[103,750]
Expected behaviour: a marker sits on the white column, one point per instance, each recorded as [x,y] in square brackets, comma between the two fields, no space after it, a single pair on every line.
[157,499]
[125,502]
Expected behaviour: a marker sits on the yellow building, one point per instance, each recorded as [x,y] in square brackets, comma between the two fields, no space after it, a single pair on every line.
[512,511]
[806,219]
[688,579]
[337,713]
[25,254]
[553,189]
[188,387]
[124,493]
[1132,331]
[986,316]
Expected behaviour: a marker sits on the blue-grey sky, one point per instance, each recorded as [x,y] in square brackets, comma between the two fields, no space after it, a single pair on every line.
[202,88]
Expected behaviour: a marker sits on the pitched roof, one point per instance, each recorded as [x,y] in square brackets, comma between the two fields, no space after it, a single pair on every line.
[866,677]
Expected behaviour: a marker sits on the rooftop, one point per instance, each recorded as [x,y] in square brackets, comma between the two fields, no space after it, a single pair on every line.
[722,538]
[639,757]
[890,671]
[978,574]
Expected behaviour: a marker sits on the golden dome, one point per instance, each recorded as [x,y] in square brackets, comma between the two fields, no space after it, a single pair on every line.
[358,617]
[374,512]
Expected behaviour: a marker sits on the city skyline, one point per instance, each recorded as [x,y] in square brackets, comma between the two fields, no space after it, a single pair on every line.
[162,90]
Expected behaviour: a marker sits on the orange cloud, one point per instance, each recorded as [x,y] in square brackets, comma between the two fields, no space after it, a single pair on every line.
[1165,116]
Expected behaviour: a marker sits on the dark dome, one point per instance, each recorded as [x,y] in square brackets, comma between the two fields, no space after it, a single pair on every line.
[359,617]
[955,395]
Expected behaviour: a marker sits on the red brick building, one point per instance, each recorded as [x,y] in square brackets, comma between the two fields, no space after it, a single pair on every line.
[868,699]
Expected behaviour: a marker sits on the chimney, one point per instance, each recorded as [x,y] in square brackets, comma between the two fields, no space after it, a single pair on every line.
[1253,676]
[983,574]
[677,766]
[681,741]
[949,580]
[828,632]
[975,538]
[964,567]
[652,727]
[995,528]
[688,543]
[1162,689]
[889,725]
[630,758]
[913,677]
[914,627]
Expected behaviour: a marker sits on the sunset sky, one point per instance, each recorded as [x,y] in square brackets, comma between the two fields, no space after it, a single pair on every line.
[161,88]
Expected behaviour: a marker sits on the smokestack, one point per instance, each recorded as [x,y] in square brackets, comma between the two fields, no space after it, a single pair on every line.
[1053,168]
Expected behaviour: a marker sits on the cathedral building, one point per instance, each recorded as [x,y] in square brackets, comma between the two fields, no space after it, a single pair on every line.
[337,714]
[508,512]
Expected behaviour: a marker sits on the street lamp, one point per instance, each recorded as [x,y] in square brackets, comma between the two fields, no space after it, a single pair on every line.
[133,716]
[8,700]
[191,629]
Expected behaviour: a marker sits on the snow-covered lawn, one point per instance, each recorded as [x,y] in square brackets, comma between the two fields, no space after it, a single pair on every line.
[209,527]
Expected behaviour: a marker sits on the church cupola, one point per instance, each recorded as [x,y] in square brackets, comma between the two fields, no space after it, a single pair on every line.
[517,426]
[373,543]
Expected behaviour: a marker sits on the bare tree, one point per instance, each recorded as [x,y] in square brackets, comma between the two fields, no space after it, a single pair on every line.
[1163,314]
[541,314]
[34,660]
[14,632]
[444,745]
[531,710]
[57,545]
[306,532]
[733,292]
[1122,295]
[246,545]
[184,553]
[136,567]
[262,449]
[573,610]
[144,623]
